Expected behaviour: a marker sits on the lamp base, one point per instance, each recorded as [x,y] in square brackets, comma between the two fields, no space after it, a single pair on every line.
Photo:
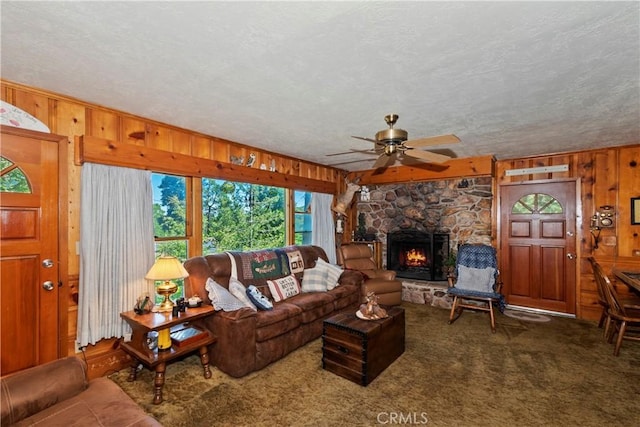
[166,290]
[166,305]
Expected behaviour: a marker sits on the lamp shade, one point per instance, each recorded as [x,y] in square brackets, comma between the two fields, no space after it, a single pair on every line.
[167,268]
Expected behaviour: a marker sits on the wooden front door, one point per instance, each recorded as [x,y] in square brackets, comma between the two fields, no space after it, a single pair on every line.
[29,259]
[538,245]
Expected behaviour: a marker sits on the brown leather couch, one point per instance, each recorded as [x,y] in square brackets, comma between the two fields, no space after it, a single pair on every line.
[59,393]
[249,340]
[382,282]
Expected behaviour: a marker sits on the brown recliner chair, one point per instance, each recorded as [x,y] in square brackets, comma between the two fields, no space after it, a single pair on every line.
[382,282]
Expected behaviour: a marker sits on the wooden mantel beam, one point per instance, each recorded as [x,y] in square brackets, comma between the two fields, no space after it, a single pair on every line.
[454,168]
[104,151]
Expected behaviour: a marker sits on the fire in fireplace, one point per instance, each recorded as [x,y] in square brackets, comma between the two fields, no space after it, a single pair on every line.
[415,254]
[415,258]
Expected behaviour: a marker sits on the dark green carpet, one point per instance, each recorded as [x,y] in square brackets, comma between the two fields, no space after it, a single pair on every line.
[558,373]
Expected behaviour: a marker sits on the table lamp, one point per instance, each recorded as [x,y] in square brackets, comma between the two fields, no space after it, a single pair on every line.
[166,268]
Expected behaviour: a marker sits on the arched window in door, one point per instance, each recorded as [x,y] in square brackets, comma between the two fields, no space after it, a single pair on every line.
[12,178]
[537,203]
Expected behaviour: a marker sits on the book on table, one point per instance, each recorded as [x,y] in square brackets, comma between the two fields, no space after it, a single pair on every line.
[186,334]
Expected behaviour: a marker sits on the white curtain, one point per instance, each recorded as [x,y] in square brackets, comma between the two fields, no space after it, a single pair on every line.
[116,248]
[323,228]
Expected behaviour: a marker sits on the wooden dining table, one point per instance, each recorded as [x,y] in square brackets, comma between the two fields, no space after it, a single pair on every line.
[628,276]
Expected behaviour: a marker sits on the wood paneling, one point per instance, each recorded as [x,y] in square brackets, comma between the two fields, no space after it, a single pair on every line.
[74,118]
[454,168]
[100,150]
[609,176]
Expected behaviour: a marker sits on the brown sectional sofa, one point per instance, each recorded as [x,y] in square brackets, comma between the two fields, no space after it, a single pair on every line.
[59,393]
[249,340]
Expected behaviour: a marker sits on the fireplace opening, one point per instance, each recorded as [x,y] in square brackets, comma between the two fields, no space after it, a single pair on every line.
[415,254]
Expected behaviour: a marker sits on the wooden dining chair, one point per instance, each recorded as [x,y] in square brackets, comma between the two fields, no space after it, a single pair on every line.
[601,280]
[623,321]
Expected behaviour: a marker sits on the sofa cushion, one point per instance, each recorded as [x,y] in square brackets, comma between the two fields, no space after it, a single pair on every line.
[284,288]
[102,404]
[314,305]
[345,295]
[238,290]
[283,318]
[221,298]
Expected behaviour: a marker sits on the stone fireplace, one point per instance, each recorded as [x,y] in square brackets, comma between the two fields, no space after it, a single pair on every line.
[462,213]
[416,254]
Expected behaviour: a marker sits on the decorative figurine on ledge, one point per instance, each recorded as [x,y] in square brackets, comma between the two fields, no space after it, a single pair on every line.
[344,200]
[371,310]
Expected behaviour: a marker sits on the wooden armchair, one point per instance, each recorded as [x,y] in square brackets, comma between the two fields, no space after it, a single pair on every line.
[477,279]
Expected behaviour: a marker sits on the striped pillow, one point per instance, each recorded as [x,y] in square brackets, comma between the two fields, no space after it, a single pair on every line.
[314,279]
[333,273]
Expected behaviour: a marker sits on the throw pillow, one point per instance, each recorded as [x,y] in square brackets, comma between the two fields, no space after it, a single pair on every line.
[238,290]
[221,298]
[314,279]
[284,287]
[333,273]
[258,298]
[476,279]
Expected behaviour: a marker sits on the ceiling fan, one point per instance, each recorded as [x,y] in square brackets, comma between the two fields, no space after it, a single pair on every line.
[392,144]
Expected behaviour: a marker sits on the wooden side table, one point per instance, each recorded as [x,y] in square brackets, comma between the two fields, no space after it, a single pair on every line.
[142,324]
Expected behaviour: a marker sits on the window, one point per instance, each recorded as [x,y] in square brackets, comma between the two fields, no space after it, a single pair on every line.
[169,219]
[302,212]
[537,203]
[12,179]
[239,216]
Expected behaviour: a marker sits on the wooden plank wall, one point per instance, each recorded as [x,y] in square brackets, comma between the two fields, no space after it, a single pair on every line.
[608,176]
[75,118]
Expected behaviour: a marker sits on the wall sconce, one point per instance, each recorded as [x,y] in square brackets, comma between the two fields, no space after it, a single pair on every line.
[463,183]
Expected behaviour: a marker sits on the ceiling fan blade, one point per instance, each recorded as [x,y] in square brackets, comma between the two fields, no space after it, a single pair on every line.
[348,162]
[433,140]
[370,151]
[427,156]
[385,160]
[366,139]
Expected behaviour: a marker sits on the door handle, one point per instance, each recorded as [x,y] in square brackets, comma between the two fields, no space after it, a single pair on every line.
[571,256]
[48,285]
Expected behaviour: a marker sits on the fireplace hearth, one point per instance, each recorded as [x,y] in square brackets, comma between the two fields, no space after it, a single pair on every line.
[415,254]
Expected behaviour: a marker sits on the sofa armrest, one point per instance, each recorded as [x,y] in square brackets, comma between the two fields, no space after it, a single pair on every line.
[235,351]
[351,277]
[32,390]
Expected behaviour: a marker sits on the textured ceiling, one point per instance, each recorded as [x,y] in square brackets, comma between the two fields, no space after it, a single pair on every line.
[510,79]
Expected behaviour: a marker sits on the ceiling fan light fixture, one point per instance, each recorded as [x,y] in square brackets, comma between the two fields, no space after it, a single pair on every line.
[392,135]
[391,148]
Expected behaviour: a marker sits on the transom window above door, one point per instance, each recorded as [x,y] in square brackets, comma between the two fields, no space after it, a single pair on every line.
[537,203]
